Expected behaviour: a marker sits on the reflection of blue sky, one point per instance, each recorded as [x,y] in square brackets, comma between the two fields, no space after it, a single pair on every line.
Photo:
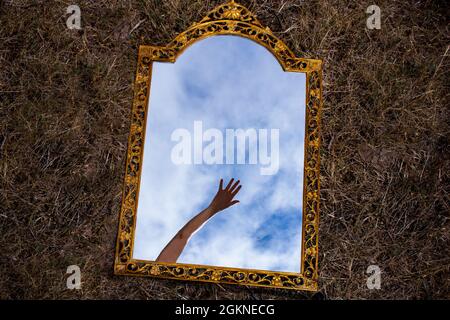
[226,82]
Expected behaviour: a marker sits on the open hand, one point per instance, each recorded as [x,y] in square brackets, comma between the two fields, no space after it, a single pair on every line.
[224,197]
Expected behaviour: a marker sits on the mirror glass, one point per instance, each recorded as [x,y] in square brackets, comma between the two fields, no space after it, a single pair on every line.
[224,110]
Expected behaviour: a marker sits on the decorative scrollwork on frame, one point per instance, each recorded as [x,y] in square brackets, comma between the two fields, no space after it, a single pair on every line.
[228,19]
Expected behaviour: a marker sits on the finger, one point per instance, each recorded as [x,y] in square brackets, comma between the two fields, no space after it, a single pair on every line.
[229,184]
[235,192]
[221,184]
[232,203]
[234,185]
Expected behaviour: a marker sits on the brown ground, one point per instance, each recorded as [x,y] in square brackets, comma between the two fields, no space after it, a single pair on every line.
[65,99]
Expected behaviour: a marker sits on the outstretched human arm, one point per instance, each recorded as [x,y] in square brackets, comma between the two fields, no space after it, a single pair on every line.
[222,200]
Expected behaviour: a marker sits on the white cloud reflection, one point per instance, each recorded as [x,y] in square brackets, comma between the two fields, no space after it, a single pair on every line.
[226,82]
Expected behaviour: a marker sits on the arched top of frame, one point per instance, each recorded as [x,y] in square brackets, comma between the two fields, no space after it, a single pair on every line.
[231,11]
[230,19]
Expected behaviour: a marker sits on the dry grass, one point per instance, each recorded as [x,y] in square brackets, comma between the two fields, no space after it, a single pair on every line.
[65,98]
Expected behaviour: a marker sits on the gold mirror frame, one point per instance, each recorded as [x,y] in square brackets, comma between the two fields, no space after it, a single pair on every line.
[227,19]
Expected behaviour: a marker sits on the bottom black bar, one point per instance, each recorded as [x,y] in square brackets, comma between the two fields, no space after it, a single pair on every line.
[212,309]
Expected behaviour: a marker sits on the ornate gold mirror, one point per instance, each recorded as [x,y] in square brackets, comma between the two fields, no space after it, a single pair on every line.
[227,189]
